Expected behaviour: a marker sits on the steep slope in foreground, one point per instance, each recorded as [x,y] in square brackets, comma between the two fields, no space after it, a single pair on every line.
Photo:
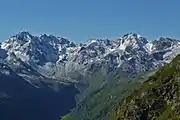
[157,99]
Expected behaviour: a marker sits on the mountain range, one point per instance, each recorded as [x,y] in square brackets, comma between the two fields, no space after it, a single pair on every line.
[49,62]
[58,58]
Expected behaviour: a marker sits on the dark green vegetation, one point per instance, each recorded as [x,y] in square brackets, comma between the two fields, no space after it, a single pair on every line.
[19,100]
[98,104]
[103,96]
[157,99]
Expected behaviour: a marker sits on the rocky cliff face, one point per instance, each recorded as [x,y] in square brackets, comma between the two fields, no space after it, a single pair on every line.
[58,58]
[158,98]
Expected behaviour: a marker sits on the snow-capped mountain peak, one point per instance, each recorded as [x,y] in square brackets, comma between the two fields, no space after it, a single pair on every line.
[132,40]
[23,35]
[55,57]
[34,49]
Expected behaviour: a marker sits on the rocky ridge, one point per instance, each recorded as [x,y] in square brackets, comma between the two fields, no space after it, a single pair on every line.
[58,58]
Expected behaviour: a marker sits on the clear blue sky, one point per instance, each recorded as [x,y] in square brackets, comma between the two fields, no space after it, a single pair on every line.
[80,20]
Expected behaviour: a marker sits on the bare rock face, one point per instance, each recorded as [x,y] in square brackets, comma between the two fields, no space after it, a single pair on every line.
[58,58]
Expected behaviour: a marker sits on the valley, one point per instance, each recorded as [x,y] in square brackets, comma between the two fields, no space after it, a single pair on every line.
[51,78]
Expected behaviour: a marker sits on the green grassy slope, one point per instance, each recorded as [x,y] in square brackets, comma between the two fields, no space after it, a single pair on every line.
[102,100]
[157,99]
[98,104]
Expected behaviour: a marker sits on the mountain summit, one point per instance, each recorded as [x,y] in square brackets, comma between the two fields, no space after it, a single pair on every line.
[56,57]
